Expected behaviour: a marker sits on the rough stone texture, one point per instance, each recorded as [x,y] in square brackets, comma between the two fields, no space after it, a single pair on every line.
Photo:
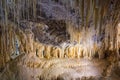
[30,67]
[59,39]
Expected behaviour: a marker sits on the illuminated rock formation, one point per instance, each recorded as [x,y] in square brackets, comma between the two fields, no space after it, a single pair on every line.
[59,39]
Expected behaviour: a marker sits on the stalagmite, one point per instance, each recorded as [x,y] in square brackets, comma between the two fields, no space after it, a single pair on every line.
[38,49]
[71,53]
[47,51]
[34,9]
[29,41]
[78,51]
[101,51]
[63,47]
[55,52]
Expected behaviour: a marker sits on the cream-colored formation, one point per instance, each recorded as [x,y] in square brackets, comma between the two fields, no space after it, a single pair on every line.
[81,44]
[59,39]
[118,39]
[82,21]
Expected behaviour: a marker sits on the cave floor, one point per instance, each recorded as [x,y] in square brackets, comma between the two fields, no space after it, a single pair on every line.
[34,68]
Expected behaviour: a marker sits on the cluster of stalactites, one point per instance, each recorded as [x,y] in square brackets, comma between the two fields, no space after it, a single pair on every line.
[97,22]
[85,48]
[94,17]
[17,40]
[86,12]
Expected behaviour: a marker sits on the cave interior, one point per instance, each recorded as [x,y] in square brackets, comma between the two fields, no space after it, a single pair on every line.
[59,39]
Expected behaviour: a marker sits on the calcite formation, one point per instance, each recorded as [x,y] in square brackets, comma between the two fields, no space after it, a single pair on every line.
[118,38]
[31,45]
[59,39]
[28,43]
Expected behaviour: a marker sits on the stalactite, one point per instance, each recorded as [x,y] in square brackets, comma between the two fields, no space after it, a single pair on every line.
[77,2]
[115,31]
[9,45]
[96,17]
[82,12]
[6,12]
[23,9]
[0,40]
[87,13]
[91,13]
[101,19]
[14,11]
[4,29]
[34,9]
[18,13]
[28,6]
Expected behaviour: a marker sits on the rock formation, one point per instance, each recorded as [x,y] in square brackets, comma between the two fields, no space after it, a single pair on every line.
[58,39]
